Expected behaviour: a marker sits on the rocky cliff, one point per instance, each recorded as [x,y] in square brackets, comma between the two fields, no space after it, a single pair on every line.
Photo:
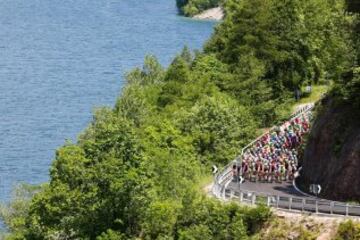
[332,155]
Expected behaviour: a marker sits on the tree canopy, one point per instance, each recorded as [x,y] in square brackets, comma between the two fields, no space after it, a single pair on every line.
[134,173]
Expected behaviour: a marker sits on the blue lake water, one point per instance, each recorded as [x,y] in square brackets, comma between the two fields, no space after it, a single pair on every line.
[61,59]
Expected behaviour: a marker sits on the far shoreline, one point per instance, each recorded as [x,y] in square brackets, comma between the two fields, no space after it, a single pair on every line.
[216,14]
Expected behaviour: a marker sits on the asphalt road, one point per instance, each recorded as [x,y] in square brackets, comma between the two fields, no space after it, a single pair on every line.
[285,191]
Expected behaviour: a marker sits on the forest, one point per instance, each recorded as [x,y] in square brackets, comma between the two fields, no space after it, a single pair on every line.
[137,171]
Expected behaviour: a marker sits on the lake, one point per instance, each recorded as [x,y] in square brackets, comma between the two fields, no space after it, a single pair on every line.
[61,59]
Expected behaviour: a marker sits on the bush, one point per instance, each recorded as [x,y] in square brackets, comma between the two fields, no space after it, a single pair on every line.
[348,230]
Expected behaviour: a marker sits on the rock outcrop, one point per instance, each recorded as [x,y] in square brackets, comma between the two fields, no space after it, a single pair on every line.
[211,14]
[332,155]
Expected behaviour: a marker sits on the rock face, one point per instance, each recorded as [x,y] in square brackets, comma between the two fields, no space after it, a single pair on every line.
[353,5]
[332,155]
[211,14]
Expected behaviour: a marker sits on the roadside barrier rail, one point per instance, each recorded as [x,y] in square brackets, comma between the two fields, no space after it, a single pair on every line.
[224,177]
[312,205]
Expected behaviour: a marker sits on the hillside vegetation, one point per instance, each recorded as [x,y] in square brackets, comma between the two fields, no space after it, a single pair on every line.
[332,157]
[134,173]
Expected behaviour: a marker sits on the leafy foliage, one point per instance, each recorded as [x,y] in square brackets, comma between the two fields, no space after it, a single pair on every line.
[284,43]
[218,127]
[134,172]
[348,230]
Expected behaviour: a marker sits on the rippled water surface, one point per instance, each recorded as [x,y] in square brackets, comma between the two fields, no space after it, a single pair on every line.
[60,59]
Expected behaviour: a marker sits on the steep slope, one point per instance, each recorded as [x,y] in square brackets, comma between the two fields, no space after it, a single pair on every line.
[332,155]
[134,172]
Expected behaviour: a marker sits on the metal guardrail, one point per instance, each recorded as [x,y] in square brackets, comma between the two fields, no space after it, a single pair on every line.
[313,205]
[222,179]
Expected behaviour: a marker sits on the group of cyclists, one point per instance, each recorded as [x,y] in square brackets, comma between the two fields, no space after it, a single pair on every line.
[274,156]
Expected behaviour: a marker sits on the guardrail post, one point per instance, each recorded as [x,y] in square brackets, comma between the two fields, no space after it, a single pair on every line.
[331,208]
[303,205]
[316,206]
[253,199]
[347,209]
[223,193]
[222,179]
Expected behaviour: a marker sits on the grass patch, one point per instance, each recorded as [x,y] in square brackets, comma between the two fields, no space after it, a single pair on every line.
[205,181]
[317,92]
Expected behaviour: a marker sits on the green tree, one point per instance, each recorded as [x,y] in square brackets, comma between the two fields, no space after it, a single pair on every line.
[15,213]
[94,186]
[178,70]
[348,231]
[283,43]
[161,217]
[111,235]
[196,232]
[219,127]
[134,173]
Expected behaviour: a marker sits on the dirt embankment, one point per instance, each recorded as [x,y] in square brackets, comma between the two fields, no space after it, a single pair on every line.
[295,226]
[332,155]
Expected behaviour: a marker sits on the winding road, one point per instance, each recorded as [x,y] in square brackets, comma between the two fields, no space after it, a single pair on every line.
[285,189]
[286,196]
[282,195]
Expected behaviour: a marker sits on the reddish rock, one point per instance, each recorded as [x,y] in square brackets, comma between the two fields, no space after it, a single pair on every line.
[332,155]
